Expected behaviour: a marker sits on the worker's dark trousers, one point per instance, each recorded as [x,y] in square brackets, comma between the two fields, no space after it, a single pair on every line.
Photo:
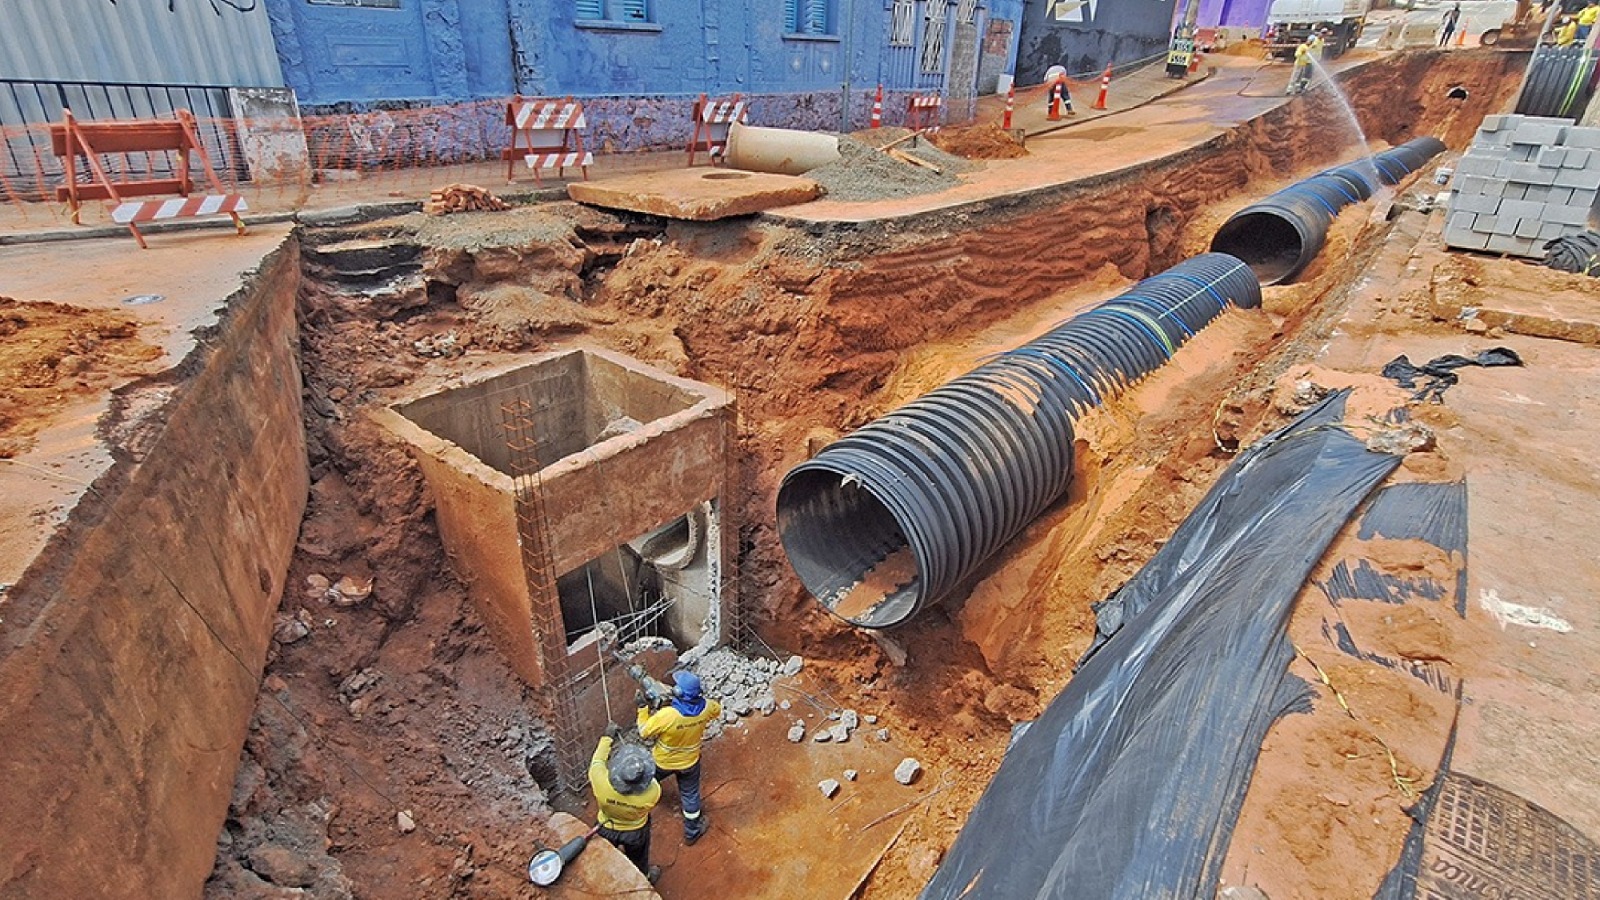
[634,844]
[688,787]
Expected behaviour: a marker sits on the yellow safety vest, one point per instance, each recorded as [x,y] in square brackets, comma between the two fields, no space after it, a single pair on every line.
[1588,15]
[677,735]
[619,811]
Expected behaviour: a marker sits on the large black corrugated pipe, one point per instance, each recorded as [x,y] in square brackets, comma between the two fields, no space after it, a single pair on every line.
[889,519]
[1560,82]
[1279,236]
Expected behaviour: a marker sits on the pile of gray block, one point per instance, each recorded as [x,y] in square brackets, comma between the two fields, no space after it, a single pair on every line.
[1524,181]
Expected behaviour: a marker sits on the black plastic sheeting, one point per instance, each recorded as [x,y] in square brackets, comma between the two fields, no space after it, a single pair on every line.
[890,518]
[1129,784]
[1418,510]
[1279,236]
[1440,371]
[1575,253]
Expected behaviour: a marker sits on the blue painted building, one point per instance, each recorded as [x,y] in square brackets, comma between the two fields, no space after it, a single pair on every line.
[639,64]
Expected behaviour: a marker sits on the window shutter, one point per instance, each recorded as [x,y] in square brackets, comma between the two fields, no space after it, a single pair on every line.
[591,9]
[634,11]
[816,16]
[791,16]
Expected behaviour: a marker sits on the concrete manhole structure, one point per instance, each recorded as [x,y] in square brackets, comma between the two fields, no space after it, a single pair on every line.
[581,494]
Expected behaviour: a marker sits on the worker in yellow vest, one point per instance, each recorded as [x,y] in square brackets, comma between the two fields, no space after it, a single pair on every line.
[1303,55]
[678,729]
[1567,34]
[625,789]
[1586,19]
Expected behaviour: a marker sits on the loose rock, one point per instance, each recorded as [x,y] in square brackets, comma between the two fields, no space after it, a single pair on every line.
[839,734]
[850,774]
[405,822]
[797,734]
[850,719]
[828,787]
[823,735]
[907,771]
[883,735]
[791,667]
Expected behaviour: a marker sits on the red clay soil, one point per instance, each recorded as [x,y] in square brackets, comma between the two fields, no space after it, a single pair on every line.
[400,703]
[982,141]
[53,355]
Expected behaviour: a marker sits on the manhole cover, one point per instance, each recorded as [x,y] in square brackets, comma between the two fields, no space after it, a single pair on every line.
[1483,841]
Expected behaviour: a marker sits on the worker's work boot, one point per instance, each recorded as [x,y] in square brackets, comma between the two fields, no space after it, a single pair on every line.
[694,829]
[653,874]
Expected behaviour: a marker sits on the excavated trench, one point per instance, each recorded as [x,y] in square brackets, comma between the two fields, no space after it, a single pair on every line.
[401,701]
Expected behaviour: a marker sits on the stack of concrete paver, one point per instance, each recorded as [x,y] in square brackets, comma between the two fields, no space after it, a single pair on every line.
[1524,181]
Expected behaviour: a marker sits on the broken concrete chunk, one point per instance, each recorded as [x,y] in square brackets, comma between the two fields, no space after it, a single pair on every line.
[828,787]
[797,734]
[791,667]
[883,735]
[850,774]
[907,771]
[766,703]
[839,733]
[405,822]
[823,735]
[784,704]
[849,719]
[870,719]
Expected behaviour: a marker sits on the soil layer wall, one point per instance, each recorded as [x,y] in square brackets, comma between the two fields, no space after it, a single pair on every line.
[133,647]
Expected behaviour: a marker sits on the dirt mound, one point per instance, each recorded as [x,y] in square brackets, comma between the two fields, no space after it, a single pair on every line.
[984,141]
[52,355]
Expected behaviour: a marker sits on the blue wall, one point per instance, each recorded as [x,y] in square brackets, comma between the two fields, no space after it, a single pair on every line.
[447,50]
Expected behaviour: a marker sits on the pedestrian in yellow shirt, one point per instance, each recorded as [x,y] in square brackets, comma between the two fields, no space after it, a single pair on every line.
[1586,19]
[678,729]
[625,789]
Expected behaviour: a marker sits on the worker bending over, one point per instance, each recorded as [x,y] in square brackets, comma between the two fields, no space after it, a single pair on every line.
[625,789]
[678,729]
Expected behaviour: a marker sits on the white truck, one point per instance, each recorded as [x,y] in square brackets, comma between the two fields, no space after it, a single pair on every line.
[1290,22]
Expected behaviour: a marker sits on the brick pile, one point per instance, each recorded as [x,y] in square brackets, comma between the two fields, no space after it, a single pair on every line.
[1524,181]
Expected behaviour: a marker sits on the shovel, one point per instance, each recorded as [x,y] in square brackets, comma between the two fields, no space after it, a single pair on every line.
[546,865]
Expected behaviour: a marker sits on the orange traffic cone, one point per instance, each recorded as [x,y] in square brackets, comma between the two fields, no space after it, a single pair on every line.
[1011,101]
[1105,84]
[877,108]
[1461,36]
[1054,115]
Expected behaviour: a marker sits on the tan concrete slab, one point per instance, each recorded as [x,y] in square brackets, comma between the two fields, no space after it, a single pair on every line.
[701,195]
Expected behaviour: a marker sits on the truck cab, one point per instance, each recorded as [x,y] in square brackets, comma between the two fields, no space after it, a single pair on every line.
[1290,22]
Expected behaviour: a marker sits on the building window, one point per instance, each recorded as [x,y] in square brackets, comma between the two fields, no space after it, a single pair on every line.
[807,17]
[903,23]
[627,12]
[933,38]
[967,12]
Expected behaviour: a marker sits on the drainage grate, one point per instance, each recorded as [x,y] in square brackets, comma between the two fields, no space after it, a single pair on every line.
[1484,841]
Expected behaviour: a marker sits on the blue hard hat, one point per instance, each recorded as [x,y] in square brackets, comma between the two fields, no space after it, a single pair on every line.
[686,685]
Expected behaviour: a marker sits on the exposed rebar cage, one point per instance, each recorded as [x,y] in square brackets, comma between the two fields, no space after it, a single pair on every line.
[891,518]
[533,541]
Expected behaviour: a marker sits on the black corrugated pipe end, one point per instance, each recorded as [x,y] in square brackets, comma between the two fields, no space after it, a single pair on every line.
[891,518]
[1277,238]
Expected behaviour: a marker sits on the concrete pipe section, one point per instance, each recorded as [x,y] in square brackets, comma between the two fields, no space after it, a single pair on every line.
[891,518]
[779,151]
[1279,236]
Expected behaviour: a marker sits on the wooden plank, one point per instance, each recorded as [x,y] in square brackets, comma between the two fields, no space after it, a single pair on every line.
[121,137]
[90,191]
